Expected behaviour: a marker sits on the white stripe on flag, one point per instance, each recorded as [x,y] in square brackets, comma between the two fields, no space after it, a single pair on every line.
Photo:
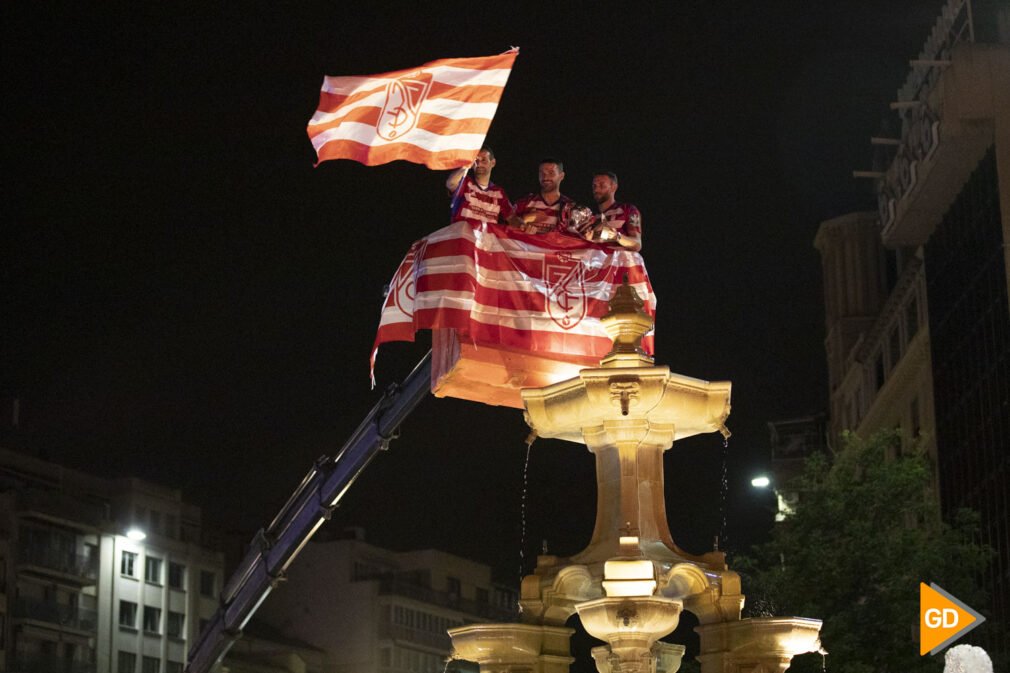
[443,107]
[365,134]
[345,86]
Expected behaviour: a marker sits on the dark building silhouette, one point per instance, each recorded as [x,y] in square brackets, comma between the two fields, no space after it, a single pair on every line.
[917,307]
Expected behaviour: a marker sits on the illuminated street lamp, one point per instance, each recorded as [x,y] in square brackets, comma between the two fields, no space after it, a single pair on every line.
[136,534]
[761,481]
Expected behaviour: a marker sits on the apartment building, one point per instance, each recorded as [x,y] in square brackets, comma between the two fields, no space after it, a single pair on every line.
[98,575]
[916,293]
[372,610]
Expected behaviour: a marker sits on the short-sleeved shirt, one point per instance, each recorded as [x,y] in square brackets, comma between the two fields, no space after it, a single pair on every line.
[479,205]
[554,212]
[625,218]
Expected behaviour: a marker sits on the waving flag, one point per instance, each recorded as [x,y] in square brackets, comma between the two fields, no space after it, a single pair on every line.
[436,115]
[496,286]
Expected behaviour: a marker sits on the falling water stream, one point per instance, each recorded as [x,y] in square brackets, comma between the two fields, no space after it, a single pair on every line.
[723,496]
[522,508]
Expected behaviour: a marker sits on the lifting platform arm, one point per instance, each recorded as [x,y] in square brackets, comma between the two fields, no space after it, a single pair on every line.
[274,548]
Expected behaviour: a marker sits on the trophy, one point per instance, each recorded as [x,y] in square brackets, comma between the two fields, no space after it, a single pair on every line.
[577,219]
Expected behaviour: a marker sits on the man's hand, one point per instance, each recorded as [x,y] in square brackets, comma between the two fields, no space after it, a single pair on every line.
[452,182]
[604,234]
[530,223]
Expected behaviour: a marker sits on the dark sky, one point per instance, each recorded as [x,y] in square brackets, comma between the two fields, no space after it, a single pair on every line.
[186,299]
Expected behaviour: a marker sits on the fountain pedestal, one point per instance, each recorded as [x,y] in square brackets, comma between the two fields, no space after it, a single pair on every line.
[630,625]
[630,584]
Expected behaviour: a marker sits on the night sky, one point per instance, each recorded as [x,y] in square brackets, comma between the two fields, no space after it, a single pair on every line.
[186,299]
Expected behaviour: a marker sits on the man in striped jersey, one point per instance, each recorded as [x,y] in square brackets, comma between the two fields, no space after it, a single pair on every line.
[477,200]
[617,224]
[544,212]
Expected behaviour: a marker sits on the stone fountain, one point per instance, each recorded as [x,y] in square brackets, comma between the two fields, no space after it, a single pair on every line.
[631,583]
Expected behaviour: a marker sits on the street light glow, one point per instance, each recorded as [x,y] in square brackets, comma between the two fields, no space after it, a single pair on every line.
[760,482]
[136,534]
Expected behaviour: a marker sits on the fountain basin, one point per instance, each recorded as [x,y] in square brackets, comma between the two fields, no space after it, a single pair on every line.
[506,644]
[763,636]
[630,623]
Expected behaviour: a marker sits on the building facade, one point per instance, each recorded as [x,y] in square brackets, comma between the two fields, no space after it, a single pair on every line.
[372,610]
[79,595]
[916,294]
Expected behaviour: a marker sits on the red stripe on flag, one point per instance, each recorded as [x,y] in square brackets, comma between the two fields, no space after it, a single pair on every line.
[466,93]
[382,154]
[439,125]
[331,102]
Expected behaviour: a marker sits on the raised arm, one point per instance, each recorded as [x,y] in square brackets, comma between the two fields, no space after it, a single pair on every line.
[452,182]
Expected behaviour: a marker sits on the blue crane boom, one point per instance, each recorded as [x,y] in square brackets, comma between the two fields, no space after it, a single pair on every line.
[275,547]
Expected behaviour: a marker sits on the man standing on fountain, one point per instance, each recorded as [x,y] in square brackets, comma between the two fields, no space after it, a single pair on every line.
[618,224]
[544,212]
[476,199]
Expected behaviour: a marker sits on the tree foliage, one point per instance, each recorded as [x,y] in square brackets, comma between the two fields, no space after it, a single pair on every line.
[865,532]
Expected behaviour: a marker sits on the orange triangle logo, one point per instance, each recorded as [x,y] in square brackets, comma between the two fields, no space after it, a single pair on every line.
[942,619]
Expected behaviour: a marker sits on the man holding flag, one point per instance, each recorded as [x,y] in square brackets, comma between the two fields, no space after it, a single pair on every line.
[540,295]
[476,199]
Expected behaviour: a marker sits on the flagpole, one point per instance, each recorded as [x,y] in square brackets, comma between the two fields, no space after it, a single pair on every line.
[459,191]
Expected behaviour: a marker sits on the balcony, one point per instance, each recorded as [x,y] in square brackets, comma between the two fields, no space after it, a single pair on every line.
[61,508]
[65,616]
[49,663]
[436,641]
[487,611]
[82,568]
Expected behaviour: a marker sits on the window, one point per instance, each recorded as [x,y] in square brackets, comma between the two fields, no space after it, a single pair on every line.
[206,583]
[171,526]
[482,595]
[151,665]
[127,662]
[152,619]
[128,614]
[173,667]
[91,557]
[894,345]
[127,564]
[176,575]
[912,318]
[878,371]
[176,622]
[152,569]
[453,587]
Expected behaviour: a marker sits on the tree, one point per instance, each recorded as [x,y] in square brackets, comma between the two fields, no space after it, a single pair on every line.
[866,530]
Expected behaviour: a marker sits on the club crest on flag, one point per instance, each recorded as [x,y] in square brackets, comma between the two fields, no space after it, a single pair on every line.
[402,105]
[566,290]
[403,289]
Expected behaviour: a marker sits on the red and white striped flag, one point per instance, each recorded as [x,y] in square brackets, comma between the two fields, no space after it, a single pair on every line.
[436,115]
[500,287]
